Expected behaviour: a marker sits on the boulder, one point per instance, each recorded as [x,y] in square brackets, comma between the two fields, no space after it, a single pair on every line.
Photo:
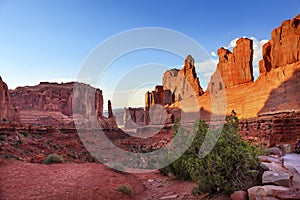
[276,175]
[275,151]
[270,159]
[291,194]
[281,179]
[260,192]
[239,195]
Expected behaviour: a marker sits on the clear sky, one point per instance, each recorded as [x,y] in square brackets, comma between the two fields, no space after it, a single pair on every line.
[48,40]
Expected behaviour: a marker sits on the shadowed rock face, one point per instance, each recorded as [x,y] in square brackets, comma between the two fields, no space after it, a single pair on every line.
[51,104]
[284,47]
[7,111]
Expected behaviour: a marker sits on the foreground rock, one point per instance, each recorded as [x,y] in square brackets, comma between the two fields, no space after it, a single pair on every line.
[239,195]
[260,192]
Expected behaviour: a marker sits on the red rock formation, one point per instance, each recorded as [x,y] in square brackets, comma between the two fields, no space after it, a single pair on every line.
[159,96]
[183,83]
[265,64]
[51,104]
[7,111]
[284,46]
[134,117]
[235,67]
[110,112]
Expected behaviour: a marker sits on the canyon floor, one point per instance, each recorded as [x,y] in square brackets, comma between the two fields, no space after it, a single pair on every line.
[21,180]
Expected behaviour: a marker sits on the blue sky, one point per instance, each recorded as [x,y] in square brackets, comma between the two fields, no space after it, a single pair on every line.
[43,40]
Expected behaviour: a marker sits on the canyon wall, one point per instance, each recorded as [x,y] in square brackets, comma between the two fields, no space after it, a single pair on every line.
[7,111]
[183,83]
[235,67]
[269,107]
[51,104]
[134,117]
[284,47]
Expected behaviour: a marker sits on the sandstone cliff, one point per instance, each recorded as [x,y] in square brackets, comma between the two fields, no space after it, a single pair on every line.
[51,104]
[7,111]
[235,67]
[283,48]
[183,83]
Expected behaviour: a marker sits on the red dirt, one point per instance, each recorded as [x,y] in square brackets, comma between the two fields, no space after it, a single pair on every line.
[20,180]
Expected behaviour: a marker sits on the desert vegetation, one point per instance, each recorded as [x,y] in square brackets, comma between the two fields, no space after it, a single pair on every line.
[231,165]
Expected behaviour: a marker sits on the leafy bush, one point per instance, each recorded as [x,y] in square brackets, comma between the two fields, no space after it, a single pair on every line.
[2,138]
[125,189]
[53,158]
[231,165]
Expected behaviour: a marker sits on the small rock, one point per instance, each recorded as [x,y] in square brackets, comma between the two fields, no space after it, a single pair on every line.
[150,180]
[203,196]
[275,151]
[270,159]
[171,175]
[239,195]
[169,193]
[173,196]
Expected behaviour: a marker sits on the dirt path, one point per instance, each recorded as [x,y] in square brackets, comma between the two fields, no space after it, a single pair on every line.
[20,180]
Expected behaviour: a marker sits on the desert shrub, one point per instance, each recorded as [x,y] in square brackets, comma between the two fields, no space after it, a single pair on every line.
[53,158]
[2,138]
[231,165]
[25,134]
[125,189]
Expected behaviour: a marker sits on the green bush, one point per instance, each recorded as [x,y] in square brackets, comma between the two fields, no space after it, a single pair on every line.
[125,189]
[231,165]
[53,158]
[2,138]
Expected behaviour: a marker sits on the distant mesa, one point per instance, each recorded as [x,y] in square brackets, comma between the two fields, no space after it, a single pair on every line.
[51,104]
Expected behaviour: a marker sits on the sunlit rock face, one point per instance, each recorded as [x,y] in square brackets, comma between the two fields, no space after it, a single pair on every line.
[183,83]
[52,104]
[235,68]
[284,47]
